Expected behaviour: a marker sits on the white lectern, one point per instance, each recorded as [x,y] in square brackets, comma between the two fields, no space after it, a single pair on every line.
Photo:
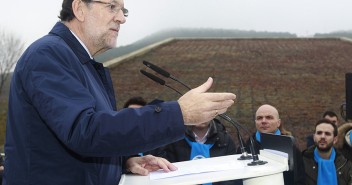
[223,168]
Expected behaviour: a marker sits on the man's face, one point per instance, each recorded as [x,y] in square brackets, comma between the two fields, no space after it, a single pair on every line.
[324,137]
[102,25]
[333,119]
[267,119]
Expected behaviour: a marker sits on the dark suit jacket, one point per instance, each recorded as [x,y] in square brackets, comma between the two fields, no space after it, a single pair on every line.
[62,124]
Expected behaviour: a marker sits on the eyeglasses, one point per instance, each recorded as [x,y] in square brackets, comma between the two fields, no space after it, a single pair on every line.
[113,7]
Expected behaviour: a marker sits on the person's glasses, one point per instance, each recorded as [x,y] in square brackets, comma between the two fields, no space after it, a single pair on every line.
[113,7]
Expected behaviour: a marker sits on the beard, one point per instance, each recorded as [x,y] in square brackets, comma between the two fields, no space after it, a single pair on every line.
[324,149]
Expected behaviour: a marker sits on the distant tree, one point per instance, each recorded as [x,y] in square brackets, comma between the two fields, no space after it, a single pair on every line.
[11,48]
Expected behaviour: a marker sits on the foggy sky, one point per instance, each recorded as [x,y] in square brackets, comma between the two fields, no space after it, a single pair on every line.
[32,19]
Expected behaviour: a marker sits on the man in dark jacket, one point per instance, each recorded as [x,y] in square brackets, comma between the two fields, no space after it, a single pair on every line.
[206,140]
[330,115]
[267,120]
[63,126]
[323,164]
[212,134]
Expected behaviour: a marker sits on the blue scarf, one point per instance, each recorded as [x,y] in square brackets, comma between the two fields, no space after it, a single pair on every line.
[199,151]
[257,135]
[351,137]
[326,169]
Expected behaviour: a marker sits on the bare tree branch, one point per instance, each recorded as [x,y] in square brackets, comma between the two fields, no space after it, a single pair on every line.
[11,49]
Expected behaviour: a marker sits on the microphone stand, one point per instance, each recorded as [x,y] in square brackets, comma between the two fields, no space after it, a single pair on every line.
[254,156]
[244,155]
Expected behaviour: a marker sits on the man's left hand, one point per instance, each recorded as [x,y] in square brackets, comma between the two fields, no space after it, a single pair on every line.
[145,164]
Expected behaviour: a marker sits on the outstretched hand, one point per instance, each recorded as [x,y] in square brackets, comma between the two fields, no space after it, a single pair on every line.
[199,106]
[145,164]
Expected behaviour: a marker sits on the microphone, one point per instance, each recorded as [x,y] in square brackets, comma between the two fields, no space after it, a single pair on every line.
[158,80]
[163,73]
[153,77]
[244,155]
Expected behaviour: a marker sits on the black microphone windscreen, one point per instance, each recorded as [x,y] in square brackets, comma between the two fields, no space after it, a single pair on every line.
[156,69]
[153,77]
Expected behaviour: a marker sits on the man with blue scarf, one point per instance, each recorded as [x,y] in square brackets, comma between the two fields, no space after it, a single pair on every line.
[209,139]
[323,164]
[267,120]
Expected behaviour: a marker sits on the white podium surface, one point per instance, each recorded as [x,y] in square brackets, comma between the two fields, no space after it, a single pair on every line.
[217,169]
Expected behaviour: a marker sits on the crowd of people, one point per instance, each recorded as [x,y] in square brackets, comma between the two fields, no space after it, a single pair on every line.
[63,126]
[326,161]
[311,166]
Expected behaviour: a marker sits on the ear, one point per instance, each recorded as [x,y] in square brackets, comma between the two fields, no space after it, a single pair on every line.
[335,140]
[78,9]
[278,123]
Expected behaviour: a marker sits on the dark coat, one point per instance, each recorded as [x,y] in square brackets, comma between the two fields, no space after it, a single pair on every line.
[62,124]
[181,150]
[341,144]
[310,141]
[343,166]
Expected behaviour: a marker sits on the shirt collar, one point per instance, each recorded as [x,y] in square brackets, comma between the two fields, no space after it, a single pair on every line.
[201,140]
[84,46]
[62,31]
